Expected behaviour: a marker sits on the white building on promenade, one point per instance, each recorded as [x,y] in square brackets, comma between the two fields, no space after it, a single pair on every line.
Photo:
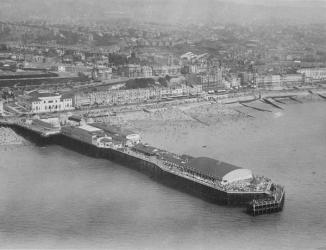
[37,102]
[313,73]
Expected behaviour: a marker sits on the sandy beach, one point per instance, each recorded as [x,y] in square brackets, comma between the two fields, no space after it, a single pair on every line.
[188,128]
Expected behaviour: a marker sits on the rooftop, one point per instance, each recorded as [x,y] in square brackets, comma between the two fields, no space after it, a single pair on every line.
[37,94]
[112,129]
[89,128]
[75,118]
[148,150]
[212,167]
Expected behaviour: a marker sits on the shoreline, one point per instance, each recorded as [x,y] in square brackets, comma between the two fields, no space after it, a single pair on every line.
[182,115]
[8,137]
[175,128]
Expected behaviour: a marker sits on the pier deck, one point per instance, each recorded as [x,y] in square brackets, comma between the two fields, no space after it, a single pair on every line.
[163,162]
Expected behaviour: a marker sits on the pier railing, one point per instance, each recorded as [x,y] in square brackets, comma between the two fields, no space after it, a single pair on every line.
[216,184]
[174,170]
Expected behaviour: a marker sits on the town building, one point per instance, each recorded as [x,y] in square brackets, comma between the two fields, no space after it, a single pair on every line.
[130,70]
[170,70]
[190,58]
[146,71]
[101,73]
[71,68]
[198,68]
[235,81]
[135,70]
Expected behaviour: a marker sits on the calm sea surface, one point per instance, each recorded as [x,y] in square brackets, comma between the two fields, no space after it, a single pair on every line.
[51,197]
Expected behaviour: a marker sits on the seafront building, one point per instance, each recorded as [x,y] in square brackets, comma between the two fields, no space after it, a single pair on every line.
[313,74]
[277,82]
[43,102]
[1,107]
[292,80]
[269,82]
[212,79]
[129,96]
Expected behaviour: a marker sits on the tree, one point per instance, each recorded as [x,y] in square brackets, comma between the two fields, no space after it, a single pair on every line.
[140,83]
[163,82]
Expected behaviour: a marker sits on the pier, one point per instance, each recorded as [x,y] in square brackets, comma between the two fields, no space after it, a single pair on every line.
[267,206]
[220,182]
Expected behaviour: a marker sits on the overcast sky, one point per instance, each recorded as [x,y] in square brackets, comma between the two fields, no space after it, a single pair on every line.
[168,10]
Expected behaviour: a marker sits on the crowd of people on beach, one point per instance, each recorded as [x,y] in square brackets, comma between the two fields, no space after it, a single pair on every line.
[9,137]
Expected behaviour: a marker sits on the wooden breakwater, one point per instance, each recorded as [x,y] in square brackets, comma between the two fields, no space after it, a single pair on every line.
[271,103]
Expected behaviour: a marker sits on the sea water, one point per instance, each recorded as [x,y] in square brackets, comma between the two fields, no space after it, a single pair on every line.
[51,197]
